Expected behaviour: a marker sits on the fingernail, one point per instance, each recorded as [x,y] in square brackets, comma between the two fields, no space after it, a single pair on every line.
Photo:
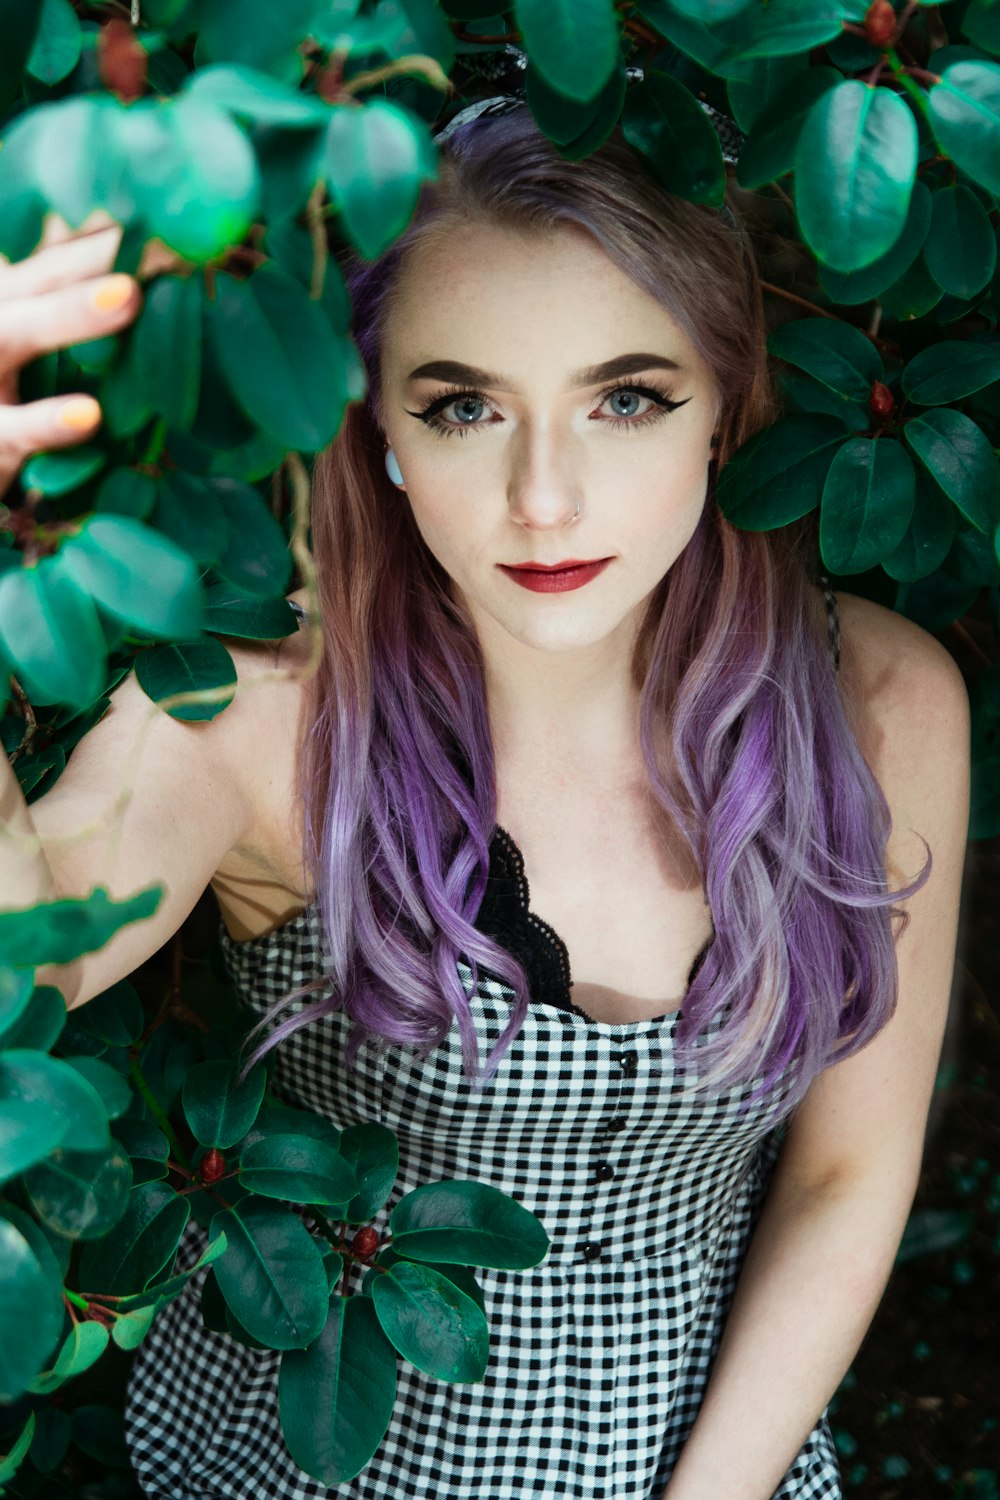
[79,414]
[113,292]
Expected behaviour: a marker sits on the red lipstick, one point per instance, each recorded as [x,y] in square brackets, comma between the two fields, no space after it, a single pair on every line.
[557,579]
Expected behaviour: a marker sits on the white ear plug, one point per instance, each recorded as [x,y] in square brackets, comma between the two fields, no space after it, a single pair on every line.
[392,467]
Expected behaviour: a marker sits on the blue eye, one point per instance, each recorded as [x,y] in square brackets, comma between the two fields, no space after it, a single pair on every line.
[458,395]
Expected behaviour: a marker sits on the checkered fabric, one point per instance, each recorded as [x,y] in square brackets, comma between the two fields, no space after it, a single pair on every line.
[599,1355]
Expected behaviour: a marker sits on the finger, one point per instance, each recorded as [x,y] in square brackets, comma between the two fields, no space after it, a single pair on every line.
[31,326]
[37,426]
[60,264]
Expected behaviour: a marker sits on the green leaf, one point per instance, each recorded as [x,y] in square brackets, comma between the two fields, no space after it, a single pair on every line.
[851,287]
[162,1292]
[115,1016]
[62,470]
[81,1194]
[951,370]
[130,1328]
[833,352]
[56,932]
[82,1347]
[53,1433]
[711,12]
[779,473]
[256,558]
[664,122]
[145,1240]
[280,357]
[964,111]
[959,455]
[766,78]
[126,492]
[166,347]
[913,295]
[194,173]
[296,1168]
[802,393]
[217,1106]
[372,1153]
[51,635]
[39,1027]
[99,1432]
[184,667]
[981,24]
[256,96]
[376,158]
[855,165]
[335,1399]
[142,1140]
[560,117]
[266,38]
[16,990]
[282,1119]
[272,1275]
[867,504]
[780,27]
[432,1322]
[31,1308]
[606,116]
[229,611]
[111,1088]
[43,1102]
[15,1455]
[929,536]
[135,575]
[58,43]
[469,1223]
[461,1275]
[189,512]
[961,252]
[573,43]
[769,150]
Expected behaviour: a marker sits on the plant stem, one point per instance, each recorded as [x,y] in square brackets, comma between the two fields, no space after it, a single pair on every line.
[326,1228]
[903,75]
[156,442]
[75,1299]
[157,1111]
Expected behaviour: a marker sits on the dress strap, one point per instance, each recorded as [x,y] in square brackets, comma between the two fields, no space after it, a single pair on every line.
[832,618]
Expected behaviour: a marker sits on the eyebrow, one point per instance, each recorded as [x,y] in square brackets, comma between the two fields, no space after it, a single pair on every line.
[609,369]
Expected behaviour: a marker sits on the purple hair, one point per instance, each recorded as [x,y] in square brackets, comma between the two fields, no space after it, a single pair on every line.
[764,776]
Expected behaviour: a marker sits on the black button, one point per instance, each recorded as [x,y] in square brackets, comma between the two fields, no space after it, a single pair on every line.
[592,1251]
[616,1124]
[604,1171]
[629,1063]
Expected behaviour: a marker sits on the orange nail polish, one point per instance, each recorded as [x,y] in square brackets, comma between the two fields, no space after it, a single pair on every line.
[80,414]
[112,293]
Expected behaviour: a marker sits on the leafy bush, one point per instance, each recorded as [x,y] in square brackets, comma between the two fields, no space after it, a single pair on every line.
[243,145]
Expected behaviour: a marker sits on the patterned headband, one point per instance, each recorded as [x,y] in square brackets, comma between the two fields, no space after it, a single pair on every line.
[731,138]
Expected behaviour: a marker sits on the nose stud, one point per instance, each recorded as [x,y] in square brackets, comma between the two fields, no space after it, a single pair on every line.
[392,467]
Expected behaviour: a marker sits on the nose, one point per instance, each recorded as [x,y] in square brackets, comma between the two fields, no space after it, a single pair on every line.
[543,490]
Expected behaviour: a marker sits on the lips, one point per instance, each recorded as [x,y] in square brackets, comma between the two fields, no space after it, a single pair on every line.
[557,580]
[559,567]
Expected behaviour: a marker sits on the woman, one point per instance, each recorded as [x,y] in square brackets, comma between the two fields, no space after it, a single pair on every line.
[682,1049]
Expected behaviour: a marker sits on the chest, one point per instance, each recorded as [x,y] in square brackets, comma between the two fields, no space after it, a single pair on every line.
[619,887]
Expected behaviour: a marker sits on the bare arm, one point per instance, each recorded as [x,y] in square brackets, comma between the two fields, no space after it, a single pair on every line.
[144,799]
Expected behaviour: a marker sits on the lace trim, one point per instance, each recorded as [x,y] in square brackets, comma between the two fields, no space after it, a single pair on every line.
[557,949]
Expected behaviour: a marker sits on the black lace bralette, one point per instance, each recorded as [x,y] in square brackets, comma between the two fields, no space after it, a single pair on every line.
[505,915]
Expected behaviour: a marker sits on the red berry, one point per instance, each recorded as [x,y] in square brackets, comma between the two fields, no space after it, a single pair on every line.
[213,1165]
[365,1242]
[881,402]
[880,23]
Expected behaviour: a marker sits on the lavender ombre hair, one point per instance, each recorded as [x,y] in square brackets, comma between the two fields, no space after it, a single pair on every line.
[745,734]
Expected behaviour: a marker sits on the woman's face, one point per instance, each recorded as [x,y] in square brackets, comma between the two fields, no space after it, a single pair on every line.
[504,449]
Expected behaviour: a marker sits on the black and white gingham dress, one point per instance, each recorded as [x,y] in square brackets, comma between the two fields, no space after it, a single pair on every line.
[600,1355]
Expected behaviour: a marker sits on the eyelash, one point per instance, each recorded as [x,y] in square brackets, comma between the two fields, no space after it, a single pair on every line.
[428,413]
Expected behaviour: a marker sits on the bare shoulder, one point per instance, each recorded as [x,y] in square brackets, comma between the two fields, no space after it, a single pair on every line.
[909,707]
[892,671]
